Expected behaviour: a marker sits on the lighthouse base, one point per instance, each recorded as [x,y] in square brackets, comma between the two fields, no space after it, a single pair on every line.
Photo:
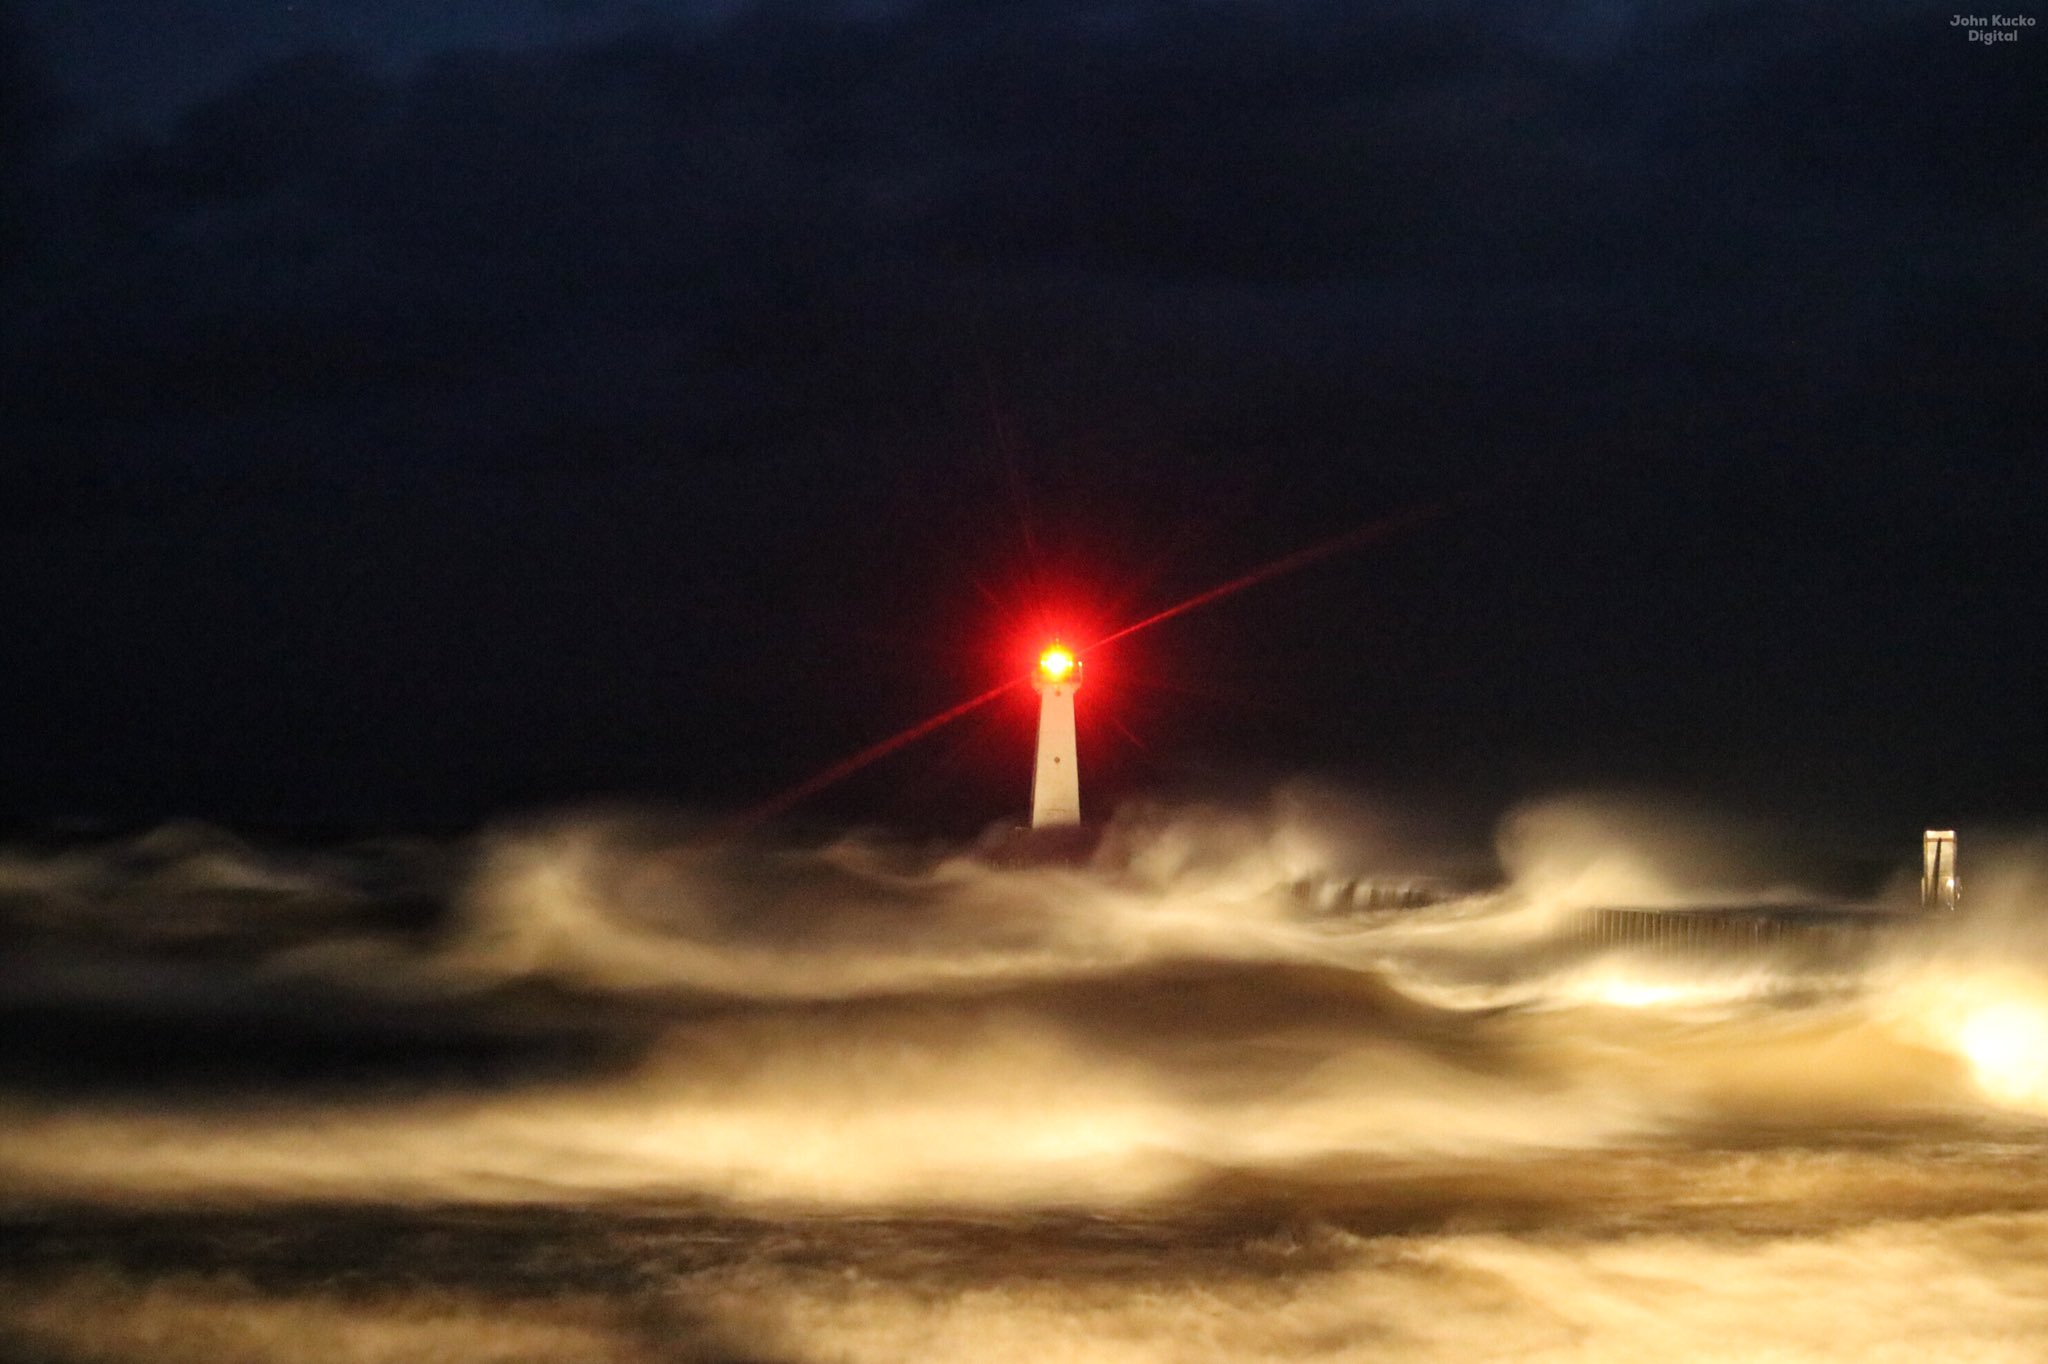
[1020,845]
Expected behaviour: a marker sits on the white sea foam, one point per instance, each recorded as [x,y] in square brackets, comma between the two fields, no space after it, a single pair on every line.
[1498,1144]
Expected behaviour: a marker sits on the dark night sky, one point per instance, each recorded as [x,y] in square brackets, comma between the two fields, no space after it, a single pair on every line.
[405,418]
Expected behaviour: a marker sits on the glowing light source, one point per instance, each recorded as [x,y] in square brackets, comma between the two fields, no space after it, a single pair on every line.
[1056,662]
[2006,1044]
[1046,676]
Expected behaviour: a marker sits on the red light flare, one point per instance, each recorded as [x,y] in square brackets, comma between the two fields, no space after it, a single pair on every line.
[1056,662]
[1063,614]
[846,767]
[1301,558]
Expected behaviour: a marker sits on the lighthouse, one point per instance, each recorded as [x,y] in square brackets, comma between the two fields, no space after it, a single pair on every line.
[1940,891]
[1056,781]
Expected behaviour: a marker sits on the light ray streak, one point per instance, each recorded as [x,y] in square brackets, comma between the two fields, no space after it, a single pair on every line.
[846,767]
[1301,558]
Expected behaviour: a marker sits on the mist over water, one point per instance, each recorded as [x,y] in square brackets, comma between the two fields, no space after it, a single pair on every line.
[593,1086]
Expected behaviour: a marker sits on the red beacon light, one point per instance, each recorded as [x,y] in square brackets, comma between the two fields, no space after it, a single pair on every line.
[1057,664]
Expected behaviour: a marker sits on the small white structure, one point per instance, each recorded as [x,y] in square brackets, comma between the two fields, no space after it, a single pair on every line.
[1056,781]
[1940,890]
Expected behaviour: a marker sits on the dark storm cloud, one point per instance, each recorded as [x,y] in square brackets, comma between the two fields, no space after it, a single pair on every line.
[672,326]
[130,63]
[1423,185]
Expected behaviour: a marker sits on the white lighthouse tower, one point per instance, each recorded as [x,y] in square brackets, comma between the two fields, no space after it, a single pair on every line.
[1056,781]
[1940,891]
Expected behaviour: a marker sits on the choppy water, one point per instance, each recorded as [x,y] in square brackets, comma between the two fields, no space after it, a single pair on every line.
[589,1088]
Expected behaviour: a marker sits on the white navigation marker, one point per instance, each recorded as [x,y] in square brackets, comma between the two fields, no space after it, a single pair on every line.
[1056,782]
[1939,888]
